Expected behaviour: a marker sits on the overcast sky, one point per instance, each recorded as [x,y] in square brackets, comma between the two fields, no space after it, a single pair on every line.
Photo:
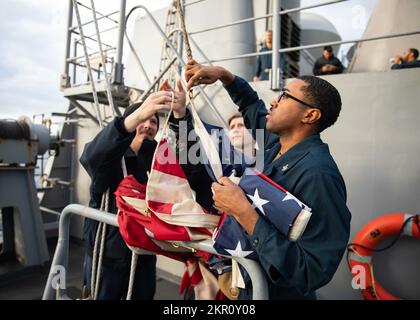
[32,48]
[33,39]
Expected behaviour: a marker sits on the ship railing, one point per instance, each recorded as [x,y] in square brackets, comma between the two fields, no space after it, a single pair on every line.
[55,287]
[275,70]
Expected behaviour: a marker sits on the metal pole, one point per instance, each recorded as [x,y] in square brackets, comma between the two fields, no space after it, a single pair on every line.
[178,30]
[91,79]
[275,62]
[89,55]
[118,66]
[83,109]
[90,38]
[100,18]
[265,16]
[66,78]
[98,13]
[74,65]
[333,43]
[193,2]
[102,31]
[318,45]
[231,24]
[241,56]
[156,81]
[137,58]
[312,6]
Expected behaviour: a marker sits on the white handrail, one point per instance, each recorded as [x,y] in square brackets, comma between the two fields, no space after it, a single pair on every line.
[60,259]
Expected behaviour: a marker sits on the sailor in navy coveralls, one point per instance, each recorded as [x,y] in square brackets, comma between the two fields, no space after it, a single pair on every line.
[296,158]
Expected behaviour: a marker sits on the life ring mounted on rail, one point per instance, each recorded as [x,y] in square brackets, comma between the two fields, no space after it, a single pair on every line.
[366,242]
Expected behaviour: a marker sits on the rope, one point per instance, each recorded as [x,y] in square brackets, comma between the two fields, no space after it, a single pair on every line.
[101,254]
[186,40]
[184,31]
[217,171]
[97,261]
[134,259]
[94,254]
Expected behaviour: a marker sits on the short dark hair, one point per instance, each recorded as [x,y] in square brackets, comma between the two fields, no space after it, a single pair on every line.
[234,116]
[415,52]
[133,107]
[328,48]
[323,96]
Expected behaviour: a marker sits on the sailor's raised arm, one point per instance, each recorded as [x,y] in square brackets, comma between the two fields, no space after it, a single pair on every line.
[157,101]
[252,108]
[106,150]
[196,74]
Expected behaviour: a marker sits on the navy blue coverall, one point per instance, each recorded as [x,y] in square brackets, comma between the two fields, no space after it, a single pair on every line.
[406,65]
[102,160]
[296,269]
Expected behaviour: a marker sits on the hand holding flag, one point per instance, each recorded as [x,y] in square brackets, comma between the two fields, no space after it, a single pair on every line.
[179,105]
[231,199]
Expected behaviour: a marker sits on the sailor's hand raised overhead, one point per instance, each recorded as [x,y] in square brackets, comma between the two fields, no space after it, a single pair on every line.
[196,74]
[180,99]
[156,101]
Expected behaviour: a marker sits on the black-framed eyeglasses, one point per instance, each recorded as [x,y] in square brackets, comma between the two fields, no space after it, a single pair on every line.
[283,93]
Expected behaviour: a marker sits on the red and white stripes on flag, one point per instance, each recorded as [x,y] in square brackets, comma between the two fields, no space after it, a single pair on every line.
[170,197]
[165,209]
[205,284]
[166,204]
[133,221]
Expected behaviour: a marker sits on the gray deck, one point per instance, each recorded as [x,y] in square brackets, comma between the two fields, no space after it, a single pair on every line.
[20,284]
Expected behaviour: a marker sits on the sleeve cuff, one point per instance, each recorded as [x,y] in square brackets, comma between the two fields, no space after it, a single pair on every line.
[175,121]
[234,86]
[262,231]
[241,93]
[119,125]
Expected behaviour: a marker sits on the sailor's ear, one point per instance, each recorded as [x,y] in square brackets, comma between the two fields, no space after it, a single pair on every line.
[312,115]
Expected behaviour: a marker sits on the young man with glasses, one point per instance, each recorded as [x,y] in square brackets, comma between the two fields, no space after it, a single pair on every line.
[296,158]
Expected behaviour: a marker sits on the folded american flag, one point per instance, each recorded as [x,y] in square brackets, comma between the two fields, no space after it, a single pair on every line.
[289,215]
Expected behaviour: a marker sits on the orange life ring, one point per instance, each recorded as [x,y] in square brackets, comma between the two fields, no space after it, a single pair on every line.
[369,237]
